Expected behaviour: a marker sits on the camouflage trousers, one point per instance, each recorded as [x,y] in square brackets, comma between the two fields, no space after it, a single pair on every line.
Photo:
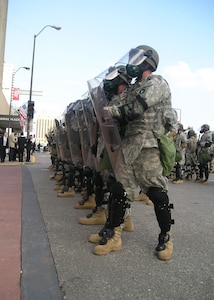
[145,172]
[191,162]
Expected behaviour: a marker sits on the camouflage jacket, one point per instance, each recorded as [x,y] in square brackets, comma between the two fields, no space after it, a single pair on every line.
[158,117]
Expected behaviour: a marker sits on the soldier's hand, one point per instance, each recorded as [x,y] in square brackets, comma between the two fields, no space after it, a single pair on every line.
[114,111]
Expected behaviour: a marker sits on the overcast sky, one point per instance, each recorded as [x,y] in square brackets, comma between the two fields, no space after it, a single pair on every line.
[95,34]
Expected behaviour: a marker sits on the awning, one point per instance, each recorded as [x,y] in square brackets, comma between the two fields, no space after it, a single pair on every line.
[14,122]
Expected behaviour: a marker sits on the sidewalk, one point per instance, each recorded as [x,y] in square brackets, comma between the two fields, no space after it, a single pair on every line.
[27,269]
[10,231]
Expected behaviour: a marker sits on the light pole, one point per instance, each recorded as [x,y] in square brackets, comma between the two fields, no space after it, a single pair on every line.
[31,80]
[11,95]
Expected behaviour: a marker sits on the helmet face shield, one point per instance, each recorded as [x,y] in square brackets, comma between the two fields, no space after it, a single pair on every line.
[133,57]
[116,71]
[138,56]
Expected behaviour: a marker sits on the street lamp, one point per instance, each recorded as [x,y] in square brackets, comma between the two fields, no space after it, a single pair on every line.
[11,95]
[31,80]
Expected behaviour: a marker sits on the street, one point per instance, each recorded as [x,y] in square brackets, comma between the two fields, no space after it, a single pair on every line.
[134,272]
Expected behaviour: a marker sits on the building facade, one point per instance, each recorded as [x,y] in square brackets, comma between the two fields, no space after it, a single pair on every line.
[43,125]
[4,106]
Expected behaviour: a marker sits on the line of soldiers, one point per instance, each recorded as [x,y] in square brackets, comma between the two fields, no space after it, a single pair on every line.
[106,145]
[193,156]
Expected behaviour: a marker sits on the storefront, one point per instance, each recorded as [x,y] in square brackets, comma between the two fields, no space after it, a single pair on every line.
[12,122]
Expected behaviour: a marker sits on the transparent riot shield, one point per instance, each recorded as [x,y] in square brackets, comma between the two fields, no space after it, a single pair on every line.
[71,125]
[109,130]
[92,127]
[84,135]
[62,142]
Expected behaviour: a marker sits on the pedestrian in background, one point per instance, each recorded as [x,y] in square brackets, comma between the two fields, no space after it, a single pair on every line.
[29,147]
[3,146]
[13,139]
[21,146]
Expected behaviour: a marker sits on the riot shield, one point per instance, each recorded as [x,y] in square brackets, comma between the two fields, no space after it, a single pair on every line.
[84,137]
[91,126]
[73,135]
[109,130]
[62,142]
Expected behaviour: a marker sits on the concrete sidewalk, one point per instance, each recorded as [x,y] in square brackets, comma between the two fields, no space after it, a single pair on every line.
[27,269]
[10,231]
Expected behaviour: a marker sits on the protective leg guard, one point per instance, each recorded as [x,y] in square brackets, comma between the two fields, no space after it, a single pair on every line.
[114,243]
[88,203]
[163,214]
[162,208]
[117,205]
[165,246]
[98,182]
[97,217]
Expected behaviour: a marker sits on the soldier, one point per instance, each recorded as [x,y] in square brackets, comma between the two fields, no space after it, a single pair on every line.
[118,202]
[191,156]
[204,156]
[147,111]
[180,144]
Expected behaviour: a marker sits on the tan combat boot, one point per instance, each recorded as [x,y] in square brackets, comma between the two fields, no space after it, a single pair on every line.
[69,193]
[59,188]
[56,177]
[95,218]
[94,238]
[89,204]
[114,243]
[128,224]
[141,197]
[166,253]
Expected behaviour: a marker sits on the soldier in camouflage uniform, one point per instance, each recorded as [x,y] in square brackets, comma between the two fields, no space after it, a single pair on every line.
[204,156]
[191,156]
[180,145]
[118,203]
[147,112]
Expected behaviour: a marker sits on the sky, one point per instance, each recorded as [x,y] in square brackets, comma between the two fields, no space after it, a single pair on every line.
[96,34]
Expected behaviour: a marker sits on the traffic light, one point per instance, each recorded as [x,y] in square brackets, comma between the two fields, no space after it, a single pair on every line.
[30,110]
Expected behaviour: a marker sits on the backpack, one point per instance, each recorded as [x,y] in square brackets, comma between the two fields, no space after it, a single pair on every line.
[167,153]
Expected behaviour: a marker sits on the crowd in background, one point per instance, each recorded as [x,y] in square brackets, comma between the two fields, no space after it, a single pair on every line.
[17,147]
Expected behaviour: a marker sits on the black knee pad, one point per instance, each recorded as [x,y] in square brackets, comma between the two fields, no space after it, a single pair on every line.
[98,181]
[87,172]
[111,180]
[117,205]
[117,190]
[162,208]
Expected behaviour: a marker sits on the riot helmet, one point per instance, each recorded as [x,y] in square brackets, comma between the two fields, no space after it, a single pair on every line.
[204,127]
[191,133]
[113,79]
[139,58]
[180,127]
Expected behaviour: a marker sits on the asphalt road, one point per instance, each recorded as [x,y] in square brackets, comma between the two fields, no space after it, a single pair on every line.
[134,272]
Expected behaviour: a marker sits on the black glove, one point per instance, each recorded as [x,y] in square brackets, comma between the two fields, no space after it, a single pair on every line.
[208,144]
